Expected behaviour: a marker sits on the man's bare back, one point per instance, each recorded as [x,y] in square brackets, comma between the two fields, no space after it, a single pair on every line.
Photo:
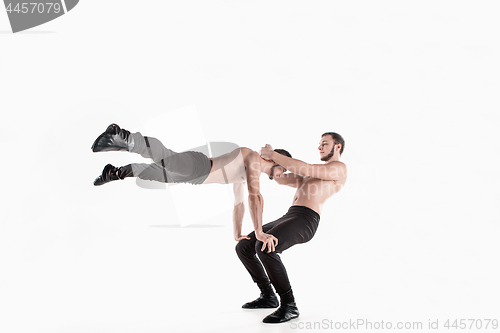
[230,168]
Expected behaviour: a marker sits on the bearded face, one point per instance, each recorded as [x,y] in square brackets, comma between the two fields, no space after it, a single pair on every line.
[327,157]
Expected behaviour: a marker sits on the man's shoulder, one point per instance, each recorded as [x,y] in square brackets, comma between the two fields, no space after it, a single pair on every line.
[250,158]
[249,153]
[336,164]
[247,150]
[338,168]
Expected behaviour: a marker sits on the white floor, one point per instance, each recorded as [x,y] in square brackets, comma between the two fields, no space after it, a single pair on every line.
[102,272]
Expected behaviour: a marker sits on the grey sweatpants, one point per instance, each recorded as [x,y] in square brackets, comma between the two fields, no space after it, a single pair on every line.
[168,167]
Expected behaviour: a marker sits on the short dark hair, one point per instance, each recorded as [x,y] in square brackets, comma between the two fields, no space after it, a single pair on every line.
[283,152]
[337,138]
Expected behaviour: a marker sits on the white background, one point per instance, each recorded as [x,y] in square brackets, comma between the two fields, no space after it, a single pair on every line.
[412,87]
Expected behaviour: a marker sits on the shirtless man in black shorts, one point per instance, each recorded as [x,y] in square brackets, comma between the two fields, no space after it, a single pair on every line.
[240,166]
[315,183]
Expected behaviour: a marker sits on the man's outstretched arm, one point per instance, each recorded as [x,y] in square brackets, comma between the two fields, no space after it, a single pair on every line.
[238,211]
[331,171]
[289,179]
[256,202]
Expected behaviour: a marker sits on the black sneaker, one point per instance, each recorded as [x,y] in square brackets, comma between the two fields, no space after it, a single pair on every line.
[284,313]
[109,173]
[113,139]
[263,302]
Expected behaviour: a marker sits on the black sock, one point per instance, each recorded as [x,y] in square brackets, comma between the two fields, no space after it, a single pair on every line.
[266,289]
[287,297]
[125,171]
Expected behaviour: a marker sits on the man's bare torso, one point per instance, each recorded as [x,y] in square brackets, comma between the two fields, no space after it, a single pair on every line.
[313,192]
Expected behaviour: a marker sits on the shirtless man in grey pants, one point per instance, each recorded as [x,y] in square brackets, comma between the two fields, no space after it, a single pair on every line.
[240,166]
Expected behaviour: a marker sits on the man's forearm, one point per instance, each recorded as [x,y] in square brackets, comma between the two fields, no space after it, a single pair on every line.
[256,204]
[293,165]
[238,212]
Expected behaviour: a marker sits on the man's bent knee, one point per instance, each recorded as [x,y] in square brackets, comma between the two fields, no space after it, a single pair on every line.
[243,248]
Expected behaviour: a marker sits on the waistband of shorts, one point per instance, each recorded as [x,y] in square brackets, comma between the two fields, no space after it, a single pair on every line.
[304,210]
